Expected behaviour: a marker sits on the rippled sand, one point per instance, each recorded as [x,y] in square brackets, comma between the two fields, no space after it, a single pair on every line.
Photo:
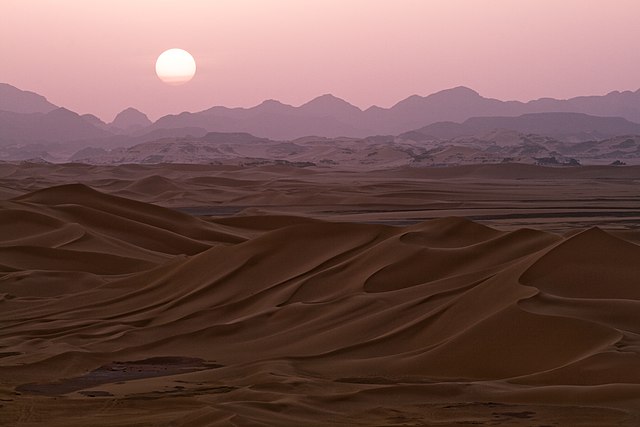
[284,296]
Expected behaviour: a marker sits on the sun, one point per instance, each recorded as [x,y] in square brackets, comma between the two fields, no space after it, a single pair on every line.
[175,66]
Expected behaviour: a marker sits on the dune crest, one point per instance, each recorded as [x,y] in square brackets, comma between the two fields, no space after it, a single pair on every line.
[90,280]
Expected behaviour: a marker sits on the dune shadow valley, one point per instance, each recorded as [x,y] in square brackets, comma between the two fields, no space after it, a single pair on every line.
[293,294]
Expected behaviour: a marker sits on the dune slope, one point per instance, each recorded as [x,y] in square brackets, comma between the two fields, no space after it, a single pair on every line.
[284,320]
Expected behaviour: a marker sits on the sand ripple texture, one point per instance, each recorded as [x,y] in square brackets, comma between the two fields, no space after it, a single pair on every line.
[119,312]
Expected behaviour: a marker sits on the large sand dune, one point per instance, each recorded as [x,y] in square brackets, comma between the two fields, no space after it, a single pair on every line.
[120,312]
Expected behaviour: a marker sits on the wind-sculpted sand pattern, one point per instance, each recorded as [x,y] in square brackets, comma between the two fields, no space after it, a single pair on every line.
[507,196]
[118,312]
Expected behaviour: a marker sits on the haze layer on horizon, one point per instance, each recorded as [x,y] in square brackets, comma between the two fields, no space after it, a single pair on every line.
[98,57]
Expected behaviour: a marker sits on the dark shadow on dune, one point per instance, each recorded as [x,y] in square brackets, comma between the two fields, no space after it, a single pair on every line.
[120,371]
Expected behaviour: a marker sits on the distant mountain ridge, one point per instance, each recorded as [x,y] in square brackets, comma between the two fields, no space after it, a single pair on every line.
[130,119]
[330,116]
[325,116]
[15,100]
[569,127]
[58,125]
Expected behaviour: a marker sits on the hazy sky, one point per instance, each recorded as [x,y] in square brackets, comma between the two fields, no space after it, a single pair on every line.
[99,56]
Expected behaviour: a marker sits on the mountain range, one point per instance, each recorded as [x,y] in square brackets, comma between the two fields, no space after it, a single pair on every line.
[31,124]
[330,116]
[568,127]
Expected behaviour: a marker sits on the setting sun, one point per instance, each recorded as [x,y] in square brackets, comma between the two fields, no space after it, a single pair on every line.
[175,66]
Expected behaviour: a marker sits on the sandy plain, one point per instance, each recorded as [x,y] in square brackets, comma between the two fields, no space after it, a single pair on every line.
[226,295]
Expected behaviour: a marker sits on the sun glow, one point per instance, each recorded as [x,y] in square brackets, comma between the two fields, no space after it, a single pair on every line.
[175,66]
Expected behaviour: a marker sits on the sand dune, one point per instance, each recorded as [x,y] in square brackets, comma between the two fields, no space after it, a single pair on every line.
[110,305]
[507,196]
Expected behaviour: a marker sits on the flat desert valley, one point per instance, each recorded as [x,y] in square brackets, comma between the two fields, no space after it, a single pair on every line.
[172,294]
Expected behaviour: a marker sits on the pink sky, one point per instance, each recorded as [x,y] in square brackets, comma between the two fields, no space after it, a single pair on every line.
[98,56]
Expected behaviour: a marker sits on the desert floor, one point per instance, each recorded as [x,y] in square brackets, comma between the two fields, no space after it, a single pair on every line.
[222,295]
